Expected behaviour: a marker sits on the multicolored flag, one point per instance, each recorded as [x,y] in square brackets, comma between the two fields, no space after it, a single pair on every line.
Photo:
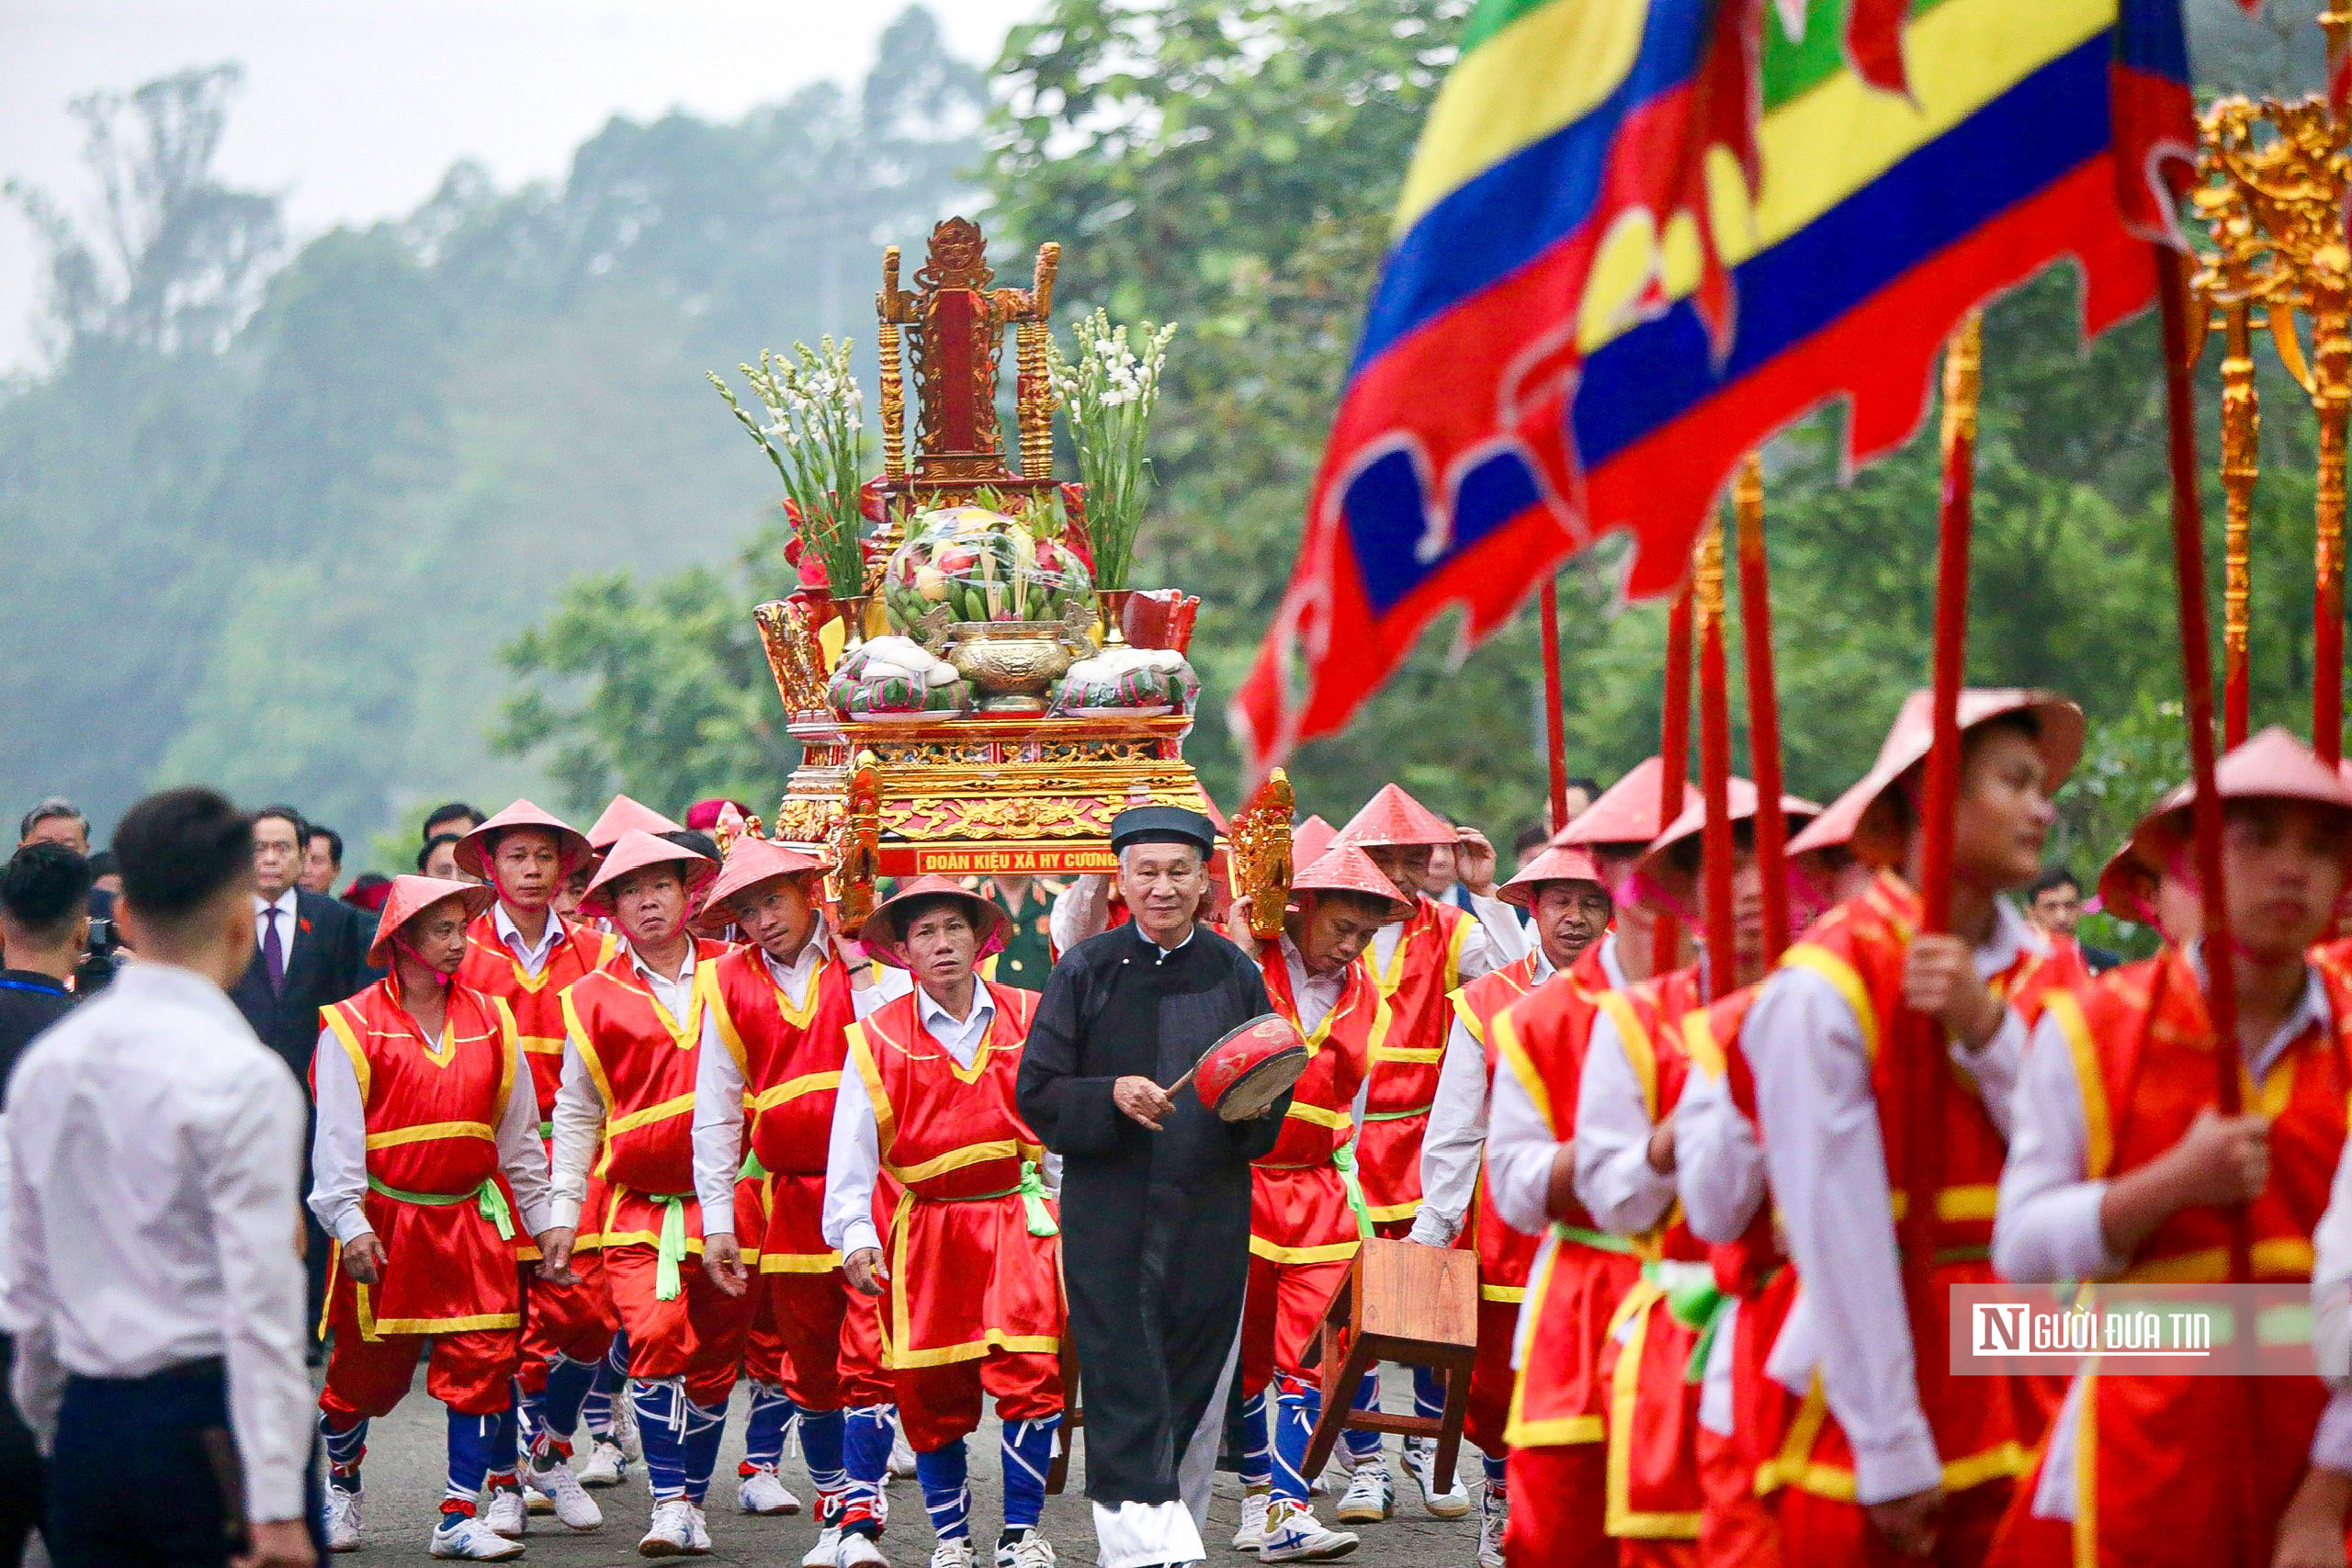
[1640,236]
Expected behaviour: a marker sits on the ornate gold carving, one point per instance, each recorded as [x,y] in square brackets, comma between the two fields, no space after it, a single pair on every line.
[1262,866]
[1707,577]
[1033,395]
[857,845]
[894,380]
[1964,380]
[795,657]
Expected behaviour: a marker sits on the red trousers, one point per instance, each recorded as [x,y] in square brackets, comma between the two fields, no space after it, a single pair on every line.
[811,1312]
[1738,1528]
[574,1321]
[697,1335]
[763,1356]
[941,1404]
[863,1380]
[1816,1530]
[1491,1378]
[1279,1318]
[1558,1497]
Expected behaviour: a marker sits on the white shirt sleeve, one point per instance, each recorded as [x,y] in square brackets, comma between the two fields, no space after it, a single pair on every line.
[1827,1166]
[718,1130]
[521,1153]
[1519,1151]
[2332,1443]
[1994,1068]
[1506,937]
[250,1162]
[579,1128]
[2330,1278]
[1614,1177]
[2046,1226]
[338,1144]
[1718,1167]
[1456,1137]
[1081,910]
[853,1160]
[1477,956]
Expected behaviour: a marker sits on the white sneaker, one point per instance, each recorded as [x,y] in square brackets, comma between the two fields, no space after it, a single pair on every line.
[1370,1498]
[343,1520]
[828,1550]
[1494,1514]
[572,1506]
[858,1550]
[953,1554]
[1450,1502]
[701,1546]
[505,1515]
[536,1501]
[606,1464]
[1030,1548]
[463,1536]
[1294,1535]
[671,1533]
[1252,1533]
[902,1457]
[762,1492]
[624,1425]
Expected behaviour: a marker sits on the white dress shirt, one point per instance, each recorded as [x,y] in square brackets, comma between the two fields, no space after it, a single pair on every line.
[1507,933]
[720,1112]
[853,1155]
[1718,1164]
[1827,1167]
[1316,995]
[1478,952]
[1520,1142]
[156,1151]
[1615,1179]
[339,1144]
[579,1110]
[532,956]
[288,922]
[2047,1227]
[1456,1135]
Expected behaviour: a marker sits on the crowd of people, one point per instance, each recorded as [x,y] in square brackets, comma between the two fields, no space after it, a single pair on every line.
[601,1125]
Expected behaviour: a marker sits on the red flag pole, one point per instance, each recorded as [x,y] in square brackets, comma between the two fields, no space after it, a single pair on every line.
[1763,705]
[2197,683]
[1556,740]
[1714,763]
[1674,751]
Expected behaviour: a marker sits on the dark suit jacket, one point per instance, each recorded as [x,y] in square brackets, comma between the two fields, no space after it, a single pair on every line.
[329,962]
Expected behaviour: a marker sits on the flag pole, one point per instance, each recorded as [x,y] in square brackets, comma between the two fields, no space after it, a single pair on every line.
[1763,704]
[1555,740]
[1674,753]
[1714,763]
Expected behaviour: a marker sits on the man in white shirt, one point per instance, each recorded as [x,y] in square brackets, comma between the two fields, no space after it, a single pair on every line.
[155,1148]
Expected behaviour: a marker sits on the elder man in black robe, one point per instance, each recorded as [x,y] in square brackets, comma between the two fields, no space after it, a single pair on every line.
[1155,1188]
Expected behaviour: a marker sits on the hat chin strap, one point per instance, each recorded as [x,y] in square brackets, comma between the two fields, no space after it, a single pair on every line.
[439,980]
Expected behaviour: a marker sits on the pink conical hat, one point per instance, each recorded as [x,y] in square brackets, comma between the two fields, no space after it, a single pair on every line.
[638,849]
[1557,863]
[623,814]
[751,862]
[880,932]
[1343,868]
[2126,886]
[410,897]
[2273,766]
[571,846]
[1393,817]
[1660,883]
[1626,812]
[1309,840]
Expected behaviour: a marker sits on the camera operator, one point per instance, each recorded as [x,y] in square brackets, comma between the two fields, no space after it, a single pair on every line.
[58,821]
[44,900]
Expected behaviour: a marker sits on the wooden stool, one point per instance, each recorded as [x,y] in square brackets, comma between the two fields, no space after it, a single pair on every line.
[1073,1419]
[1404,1303]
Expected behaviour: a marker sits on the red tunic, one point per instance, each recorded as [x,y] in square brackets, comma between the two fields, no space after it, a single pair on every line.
[431,1117]
[1425,968]
[2165,1463]
[1300,1211]
[1985,1427]
[967,1277]
[1505,1255]
[1580,1274]
[537,1001]
[791,1058]
[643,1062]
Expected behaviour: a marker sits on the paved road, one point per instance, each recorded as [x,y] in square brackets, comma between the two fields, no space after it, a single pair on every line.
[405,1470]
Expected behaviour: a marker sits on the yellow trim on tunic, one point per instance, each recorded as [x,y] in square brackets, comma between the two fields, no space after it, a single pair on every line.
[645,1116]
[792,1088]
[894,1359]
[1511,1295]
[1641,1050]
[956,1160]
[1512,1054]
[2098,1124]
[1619,1519]
[342,1029]
[1847,981]
[1700,1044]
[1560,1430]
[800,1262]
[2086,1523]
[1293,1257]
[1335,1119]
[425,1132]
[1794,1465]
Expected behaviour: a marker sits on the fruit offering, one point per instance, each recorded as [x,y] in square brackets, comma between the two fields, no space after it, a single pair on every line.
[979,566]
[1128,681]
[893,680]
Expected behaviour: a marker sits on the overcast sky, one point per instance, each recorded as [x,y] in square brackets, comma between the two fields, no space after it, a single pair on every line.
[353,109]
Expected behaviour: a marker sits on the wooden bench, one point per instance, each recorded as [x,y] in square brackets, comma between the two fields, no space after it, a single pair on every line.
[1404,1303]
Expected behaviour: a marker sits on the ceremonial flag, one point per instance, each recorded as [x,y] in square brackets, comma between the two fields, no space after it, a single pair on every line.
[1640,236]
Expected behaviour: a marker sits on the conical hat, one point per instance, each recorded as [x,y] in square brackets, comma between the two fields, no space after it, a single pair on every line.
[1660,883]
[751,862]
[1392,818]
[881,932]
[1557,863]
[2273,766]
[1343,868]
[411,897]
[637,849]
[623,814]
[1626,812]
[1309,840]
[1906,744]
[572,847]
[2126,886]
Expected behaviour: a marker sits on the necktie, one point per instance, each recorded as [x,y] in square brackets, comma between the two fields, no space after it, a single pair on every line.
[273,953]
